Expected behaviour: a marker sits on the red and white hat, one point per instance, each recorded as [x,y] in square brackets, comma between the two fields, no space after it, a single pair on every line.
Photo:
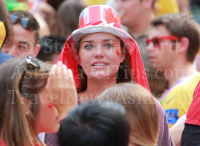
[101,18]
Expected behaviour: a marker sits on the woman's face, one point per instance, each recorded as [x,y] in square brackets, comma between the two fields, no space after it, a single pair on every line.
[48,119]
[100,55]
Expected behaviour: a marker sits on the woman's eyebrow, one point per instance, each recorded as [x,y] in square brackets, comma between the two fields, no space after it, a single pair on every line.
[87,41]
[106,40]
[91,41]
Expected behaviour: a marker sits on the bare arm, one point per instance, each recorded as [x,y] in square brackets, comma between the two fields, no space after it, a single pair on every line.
[176,133]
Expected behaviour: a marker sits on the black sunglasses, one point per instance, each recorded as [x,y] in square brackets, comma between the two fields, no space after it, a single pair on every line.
[27,23]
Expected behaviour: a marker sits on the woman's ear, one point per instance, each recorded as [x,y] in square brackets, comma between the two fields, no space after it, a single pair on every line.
[122,54]
[122,57]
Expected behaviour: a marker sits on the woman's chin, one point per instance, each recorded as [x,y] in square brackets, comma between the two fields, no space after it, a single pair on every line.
[53,130]
[100,76]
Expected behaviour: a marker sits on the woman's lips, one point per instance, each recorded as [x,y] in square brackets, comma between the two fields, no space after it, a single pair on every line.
[58,118]
[99,65]
[152,59]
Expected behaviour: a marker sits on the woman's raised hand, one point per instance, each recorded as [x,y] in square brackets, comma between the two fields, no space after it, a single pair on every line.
[61,88]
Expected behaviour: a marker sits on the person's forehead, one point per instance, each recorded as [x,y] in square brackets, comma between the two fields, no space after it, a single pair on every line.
[23,35]
[159,30]
[98,37]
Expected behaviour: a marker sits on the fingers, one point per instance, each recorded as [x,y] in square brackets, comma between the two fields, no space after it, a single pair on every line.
[51,77]
[52,71]
[70,77]
[59,75]
[59,68]
[67,75]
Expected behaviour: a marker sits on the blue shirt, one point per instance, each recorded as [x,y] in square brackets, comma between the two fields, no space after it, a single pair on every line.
[4,57]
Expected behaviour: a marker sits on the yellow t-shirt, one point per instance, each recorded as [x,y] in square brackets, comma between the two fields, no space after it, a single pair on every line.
[95,2]
[179,99]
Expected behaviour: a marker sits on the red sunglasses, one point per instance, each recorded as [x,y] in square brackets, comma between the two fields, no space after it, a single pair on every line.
[156,40]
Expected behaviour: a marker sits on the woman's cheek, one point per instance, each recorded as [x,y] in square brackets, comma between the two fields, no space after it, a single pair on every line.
[50,105]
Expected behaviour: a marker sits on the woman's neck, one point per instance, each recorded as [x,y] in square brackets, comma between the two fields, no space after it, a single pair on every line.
[35,137]
[95,87]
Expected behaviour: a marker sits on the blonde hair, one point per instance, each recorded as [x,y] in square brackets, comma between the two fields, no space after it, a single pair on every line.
[15,125]
[141,111]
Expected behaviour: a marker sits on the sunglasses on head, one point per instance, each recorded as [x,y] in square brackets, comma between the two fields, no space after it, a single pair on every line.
[27,23]
[32,63]
[156,40]
[2,34]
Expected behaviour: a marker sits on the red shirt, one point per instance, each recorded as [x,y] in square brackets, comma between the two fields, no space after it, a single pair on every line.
[2,143]
[193,114]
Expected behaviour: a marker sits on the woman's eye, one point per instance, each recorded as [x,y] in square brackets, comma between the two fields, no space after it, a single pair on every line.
[88,46]
[108,45]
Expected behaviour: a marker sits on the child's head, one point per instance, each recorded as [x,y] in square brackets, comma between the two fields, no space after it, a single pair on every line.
[141,111]
[95,124]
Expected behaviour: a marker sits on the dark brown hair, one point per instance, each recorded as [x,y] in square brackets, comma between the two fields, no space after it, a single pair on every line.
[141,111]
[123,74]
[55,3]
[24,14]
[15,125]
[182,25]
[66,21]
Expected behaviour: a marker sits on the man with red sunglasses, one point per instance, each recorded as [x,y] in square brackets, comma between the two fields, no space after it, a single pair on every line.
[137,15]
[26,35]
[172,45]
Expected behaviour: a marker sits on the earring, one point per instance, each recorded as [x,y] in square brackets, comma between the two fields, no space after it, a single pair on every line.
[26,112]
